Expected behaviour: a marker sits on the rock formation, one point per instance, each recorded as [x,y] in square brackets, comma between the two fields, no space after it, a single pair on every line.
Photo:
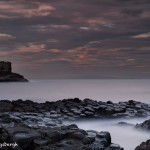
[74,109]
[47,129]
[42,126]
[6,74]
[145,125]
[144,146]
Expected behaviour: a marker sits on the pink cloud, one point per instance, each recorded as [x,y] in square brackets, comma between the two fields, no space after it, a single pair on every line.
[23,10]
[4,36]
[31,48]
[142,36]
[54,51]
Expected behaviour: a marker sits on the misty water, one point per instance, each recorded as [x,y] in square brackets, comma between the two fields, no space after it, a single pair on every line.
[101,90]
[126,136]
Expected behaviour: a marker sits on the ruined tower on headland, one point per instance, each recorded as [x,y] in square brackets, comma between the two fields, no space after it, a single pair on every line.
[5,67]
[6,74]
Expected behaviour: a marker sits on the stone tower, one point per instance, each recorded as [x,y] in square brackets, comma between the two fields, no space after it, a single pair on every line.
[5,67]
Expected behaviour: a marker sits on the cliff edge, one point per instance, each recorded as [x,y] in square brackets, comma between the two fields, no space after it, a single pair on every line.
[6,74]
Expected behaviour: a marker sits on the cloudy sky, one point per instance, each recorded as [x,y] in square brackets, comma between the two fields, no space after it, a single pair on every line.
[76,38]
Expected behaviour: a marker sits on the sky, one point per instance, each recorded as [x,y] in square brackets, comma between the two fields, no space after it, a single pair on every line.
[76,38]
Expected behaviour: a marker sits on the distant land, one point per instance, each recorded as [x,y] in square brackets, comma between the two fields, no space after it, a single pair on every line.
[6,74]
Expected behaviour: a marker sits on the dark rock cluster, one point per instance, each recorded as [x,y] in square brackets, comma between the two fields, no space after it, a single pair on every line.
[76,108]
[145,125]
[6,141]
[55,138]
[144,146]
[44,126]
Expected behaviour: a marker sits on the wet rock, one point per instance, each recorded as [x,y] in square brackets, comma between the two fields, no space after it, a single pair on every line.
[83,131]
[105,135]
[109,110]
[44,148]
[53,112]
[89,108]
[94,146]
[88,113]
[114,147]
[144,146]
[101,141]
[53,134]
[82,115]
[15,119]
[109,102]
[141,112]
[40,142]
[5,118]
[75,135]
[88,140]
[54,115]
[72,126]
[145,125]
[3,134]
[6,106]
[24,139]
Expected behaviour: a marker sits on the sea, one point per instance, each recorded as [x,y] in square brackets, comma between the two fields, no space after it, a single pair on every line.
[100,90]
[97,89]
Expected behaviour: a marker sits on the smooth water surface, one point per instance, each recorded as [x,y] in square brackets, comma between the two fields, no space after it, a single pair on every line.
[101,90]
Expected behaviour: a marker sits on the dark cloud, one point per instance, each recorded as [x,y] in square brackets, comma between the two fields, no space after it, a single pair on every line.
[72,38]
[132,12]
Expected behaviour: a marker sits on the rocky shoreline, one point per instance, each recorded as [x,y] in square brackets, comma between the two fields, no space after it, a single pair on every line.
[79,109]
[12,77]
[41,126]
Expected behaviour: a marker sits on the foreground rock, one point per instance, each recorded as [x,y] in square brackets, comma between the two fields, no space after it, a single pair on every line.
[6,141]
[42,126]
[59,138]
[144,146]
[6,74]
[144,126]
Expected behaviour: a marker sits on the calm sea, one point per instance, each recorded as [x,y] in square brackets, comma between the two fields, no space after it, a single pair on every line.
[101,90]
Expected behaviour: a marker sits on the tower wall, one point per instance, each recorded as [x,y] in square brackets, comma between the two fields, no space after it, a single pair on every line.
[5,67]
